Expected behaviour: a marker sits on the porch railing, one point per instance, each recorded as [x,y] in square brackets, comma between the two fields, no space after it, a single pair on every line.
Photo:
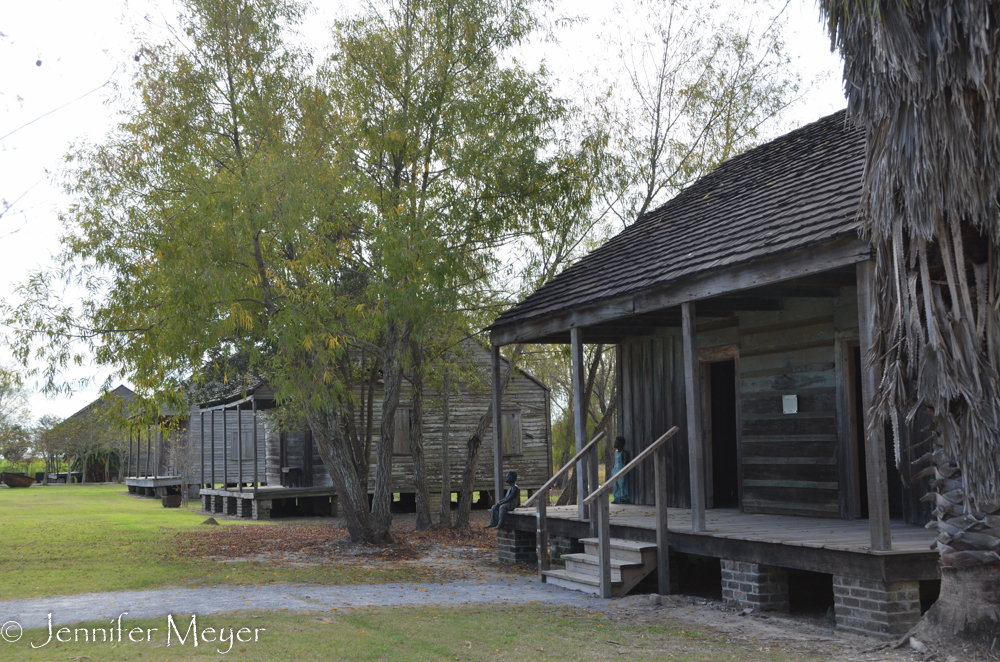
[540,500]
[604,516]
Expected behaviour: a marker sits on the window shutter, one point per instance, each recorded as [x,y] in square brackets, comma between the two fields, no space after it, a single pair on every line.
[401,443]
[511,421]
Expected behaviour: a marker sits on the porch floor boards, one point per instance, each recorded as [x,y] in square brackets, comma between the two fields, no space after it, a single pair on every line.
[794,530]
[270,492]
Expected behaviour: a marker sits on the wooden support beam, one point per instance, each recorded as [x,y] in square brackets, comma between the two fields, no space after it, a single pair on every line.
[149,448]
[660,478]
[604,544]
[737,303]
[495,367]
[878,493]
[212,437]
[542,533]
[225,452]
[202,430]
[255,476]
[692,397]
[579,419]
[239,446]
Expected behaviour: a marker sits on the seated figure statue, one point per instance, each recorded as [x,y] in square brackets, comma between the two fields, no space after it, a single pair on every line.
[509,502]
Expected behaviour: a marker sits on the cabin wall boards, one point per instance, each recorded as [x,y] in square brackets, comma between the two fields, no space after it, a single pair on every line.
[797,360]
[524,412]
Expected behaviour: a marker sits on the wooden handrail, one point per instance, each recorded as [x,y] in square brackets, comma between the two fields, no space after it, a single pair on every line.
[631,465]
[566,467]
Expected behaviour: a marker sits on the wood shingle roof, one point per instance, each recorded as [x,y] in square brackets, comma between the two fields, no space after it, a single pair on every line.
[794,192]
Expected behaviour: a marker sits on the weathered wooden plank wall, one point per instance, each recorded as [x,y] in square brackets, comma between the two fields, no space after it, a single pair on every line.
[651,384]
[791,463]
[232,465]
[523,395]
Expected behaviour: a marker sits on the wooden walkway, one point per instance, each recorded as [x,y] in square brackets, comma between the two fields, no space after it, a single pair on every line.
[818,544]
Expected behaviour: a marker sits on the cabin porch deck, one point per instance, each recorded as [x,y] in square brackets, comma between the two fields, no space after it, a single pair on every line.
[269,502]
[159,486]
[817,544]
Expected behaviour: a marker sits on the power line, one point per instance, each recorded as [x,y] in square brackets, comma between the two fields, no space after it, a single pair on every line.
[86,94]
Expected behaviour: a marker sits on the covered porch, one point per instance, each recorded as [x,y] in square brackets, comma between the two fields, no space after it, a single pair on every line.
[741,312]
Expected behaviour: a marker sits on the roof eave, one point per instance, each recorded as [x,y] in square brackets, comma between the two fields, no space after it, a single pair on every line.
[770,270]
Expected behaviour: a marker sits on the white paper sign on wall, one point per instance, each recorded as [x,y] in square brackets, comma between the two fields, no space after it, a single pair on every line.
[789,404]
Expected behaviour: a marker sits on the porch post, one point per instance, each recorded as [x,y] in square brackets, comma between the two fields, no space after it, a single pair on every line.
[662,542]
[497,423]
[202,430]
[692,397]
[239,446]
[211,436]
[149,450]
[579,419]
[255,475]
[225,453]
[878,494]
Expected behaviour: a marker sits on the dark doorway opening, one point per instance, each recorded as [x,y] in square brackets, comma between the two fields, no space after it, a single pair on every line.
[893,478]
[725,460]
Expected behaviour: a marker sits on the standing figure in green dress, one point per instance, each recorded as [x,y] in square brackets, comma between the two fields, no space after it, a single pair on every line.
[622,457]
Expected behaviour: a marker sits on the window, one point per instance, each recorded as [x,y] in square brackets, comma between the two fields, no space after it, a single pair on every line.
[244,451]
[401,442]
[511,421]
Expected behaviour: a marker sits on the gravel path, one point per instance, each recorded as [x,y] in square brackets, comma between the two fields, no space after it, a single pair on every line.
[147,604]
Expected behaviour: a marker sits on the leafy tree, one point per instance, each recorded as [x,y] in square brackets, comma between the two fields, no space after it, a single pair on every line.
[922,78]
[46,441]
[315,224]
[689,91]
[445,139]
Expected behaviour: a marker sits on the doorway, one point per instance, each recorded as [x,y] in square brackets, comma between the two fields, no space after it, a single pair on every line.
[893,479]
[723,424]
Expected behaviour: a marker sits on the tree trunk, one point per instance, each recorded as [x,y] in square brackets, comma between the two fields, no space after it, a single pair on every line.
[420,478]
[396,339]
[967,611]
[362,525]
[445,452]
[475,443]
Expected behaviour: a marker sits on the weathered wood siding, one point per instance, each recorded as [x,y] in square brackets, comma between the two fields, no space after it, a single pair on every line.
[524,395]
[651,401]
[230,466]
[798,463]
[790,461]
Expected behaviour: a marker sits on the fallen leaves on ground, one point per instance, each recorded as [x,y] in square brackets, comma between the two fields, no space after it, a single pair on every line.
[307,543]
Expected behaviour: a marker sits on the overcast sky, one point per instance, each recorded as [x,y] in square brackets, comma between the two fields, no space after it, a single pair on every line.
[54,54]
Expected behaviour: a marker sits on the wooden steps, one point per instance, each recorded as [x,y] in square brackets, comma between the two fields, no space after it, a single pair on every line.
[631,562]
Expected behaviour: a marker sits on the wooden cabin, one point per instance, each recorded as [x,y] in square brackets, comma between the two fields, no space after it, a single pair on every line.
[740,313]
[250,467]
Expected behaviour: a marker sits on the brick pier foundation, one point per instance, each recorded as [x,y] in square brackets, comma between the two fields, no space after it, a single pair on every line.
[516,545]
[753,585]
[875,607]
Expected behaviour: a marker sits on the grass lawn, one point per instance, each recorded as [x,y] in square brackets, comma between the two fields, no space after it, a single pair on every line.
[485,632]
[66,539]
